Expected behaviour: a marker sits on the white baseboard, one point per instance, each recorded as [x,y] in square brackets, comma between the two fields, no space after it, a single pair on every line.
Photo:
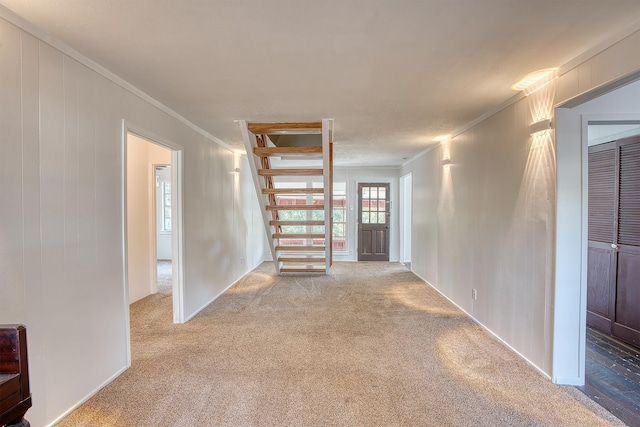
[220,293]
[491,332]
[88,396]
[574,381]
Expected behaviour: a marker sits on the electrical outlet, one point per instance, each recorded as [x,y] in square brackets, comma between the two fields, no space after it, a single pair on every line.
[474,294]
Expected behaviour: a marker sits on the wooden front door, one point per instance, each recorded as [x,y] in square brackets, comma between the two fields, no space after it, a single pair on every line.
[613,270]
[373,222]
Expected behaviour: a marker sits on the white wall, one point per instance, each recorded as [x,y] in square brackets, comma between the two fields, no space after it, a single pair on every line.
[141,158]
[253,247]
[61,220]
[484,222]
[353,176]
[488,221]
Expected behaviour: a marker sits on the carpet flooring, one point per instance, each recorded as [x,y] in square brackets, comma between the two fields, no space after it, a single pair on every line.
[164,277]
[369,345]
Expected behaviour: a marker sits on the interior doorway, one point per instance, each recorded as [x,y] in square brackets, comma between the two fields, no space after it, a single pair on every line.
[153,225]
[617,101]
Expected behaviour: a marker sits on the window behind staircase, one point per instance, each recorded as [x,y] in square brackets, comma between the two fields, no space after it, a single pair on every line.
[339,213]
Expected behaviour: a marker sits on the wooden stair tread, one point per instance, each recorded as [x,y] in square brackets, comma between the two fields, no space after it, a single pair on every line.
[294,223]
[295,207]
[298,236]
[302,270]
[282,171]
[272,128]
[278,151]
[296,244]
[309,260]
[292,190]
[300,248]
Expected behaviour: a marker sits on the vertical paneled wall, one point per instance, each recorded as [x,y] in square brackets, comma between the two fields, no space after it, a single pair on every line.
[488,221]
[484,222]
[61,217]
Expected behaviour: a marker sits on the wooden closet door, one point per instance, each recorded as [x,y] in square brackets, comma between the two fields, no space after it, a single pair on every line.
[627,308]
[601,256]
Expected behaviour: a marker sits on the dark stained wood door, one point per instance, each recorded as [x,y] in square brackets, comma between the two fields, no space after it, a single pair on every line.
[373,222]
[613,272]
[627,311]
[601,256]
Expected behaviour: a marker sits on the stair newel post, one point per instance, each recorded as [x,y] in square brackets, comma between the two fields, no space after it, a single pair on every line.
[327,167]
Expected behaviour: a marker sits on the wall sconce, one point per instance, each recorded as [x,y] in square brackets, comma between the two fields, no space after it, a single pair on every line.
[445,162]
[540,126]
[237,170]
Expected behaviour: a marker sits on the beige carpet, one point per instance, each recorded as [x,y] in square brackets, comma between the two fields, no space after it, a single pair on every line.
[164,279]
[370,345]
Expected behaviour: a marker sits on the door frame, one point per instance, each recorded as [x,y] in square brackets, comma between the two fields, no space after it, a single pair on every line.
[177,235]
[571,247]
[358,212]
[406,216]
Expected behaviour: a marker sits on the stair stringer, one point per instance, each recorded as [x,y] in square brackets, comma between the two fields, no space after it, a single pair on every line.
[327,175]
[250,142]
[255,136]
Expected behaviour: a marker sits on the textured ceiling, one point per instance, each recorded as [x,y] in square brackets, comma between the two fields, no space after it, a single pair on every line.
[392,73]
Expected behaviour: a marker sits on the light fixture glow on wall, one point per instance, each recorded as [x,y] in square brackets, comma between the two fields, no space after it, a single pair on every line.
[535,80]
[540,126]
[442,138]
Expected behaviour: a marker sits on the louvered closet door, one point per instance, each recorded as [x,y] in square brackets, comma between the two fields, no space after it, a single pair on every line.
[627,307]
[601,255]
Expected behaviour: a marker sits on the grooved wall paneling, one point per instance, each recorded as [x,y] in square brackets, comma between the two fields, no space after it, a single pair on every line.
[61,220]
[11,208]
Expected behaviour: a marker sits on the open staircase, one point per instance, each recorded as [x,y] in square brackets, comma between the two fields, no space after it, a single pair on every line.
[297,218]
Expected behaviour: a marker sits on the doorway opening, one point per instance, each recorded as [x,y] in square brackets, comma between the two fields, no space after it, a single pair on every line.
[612,360]
[152,220]
[614,102]
[405,219]
[617,103]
